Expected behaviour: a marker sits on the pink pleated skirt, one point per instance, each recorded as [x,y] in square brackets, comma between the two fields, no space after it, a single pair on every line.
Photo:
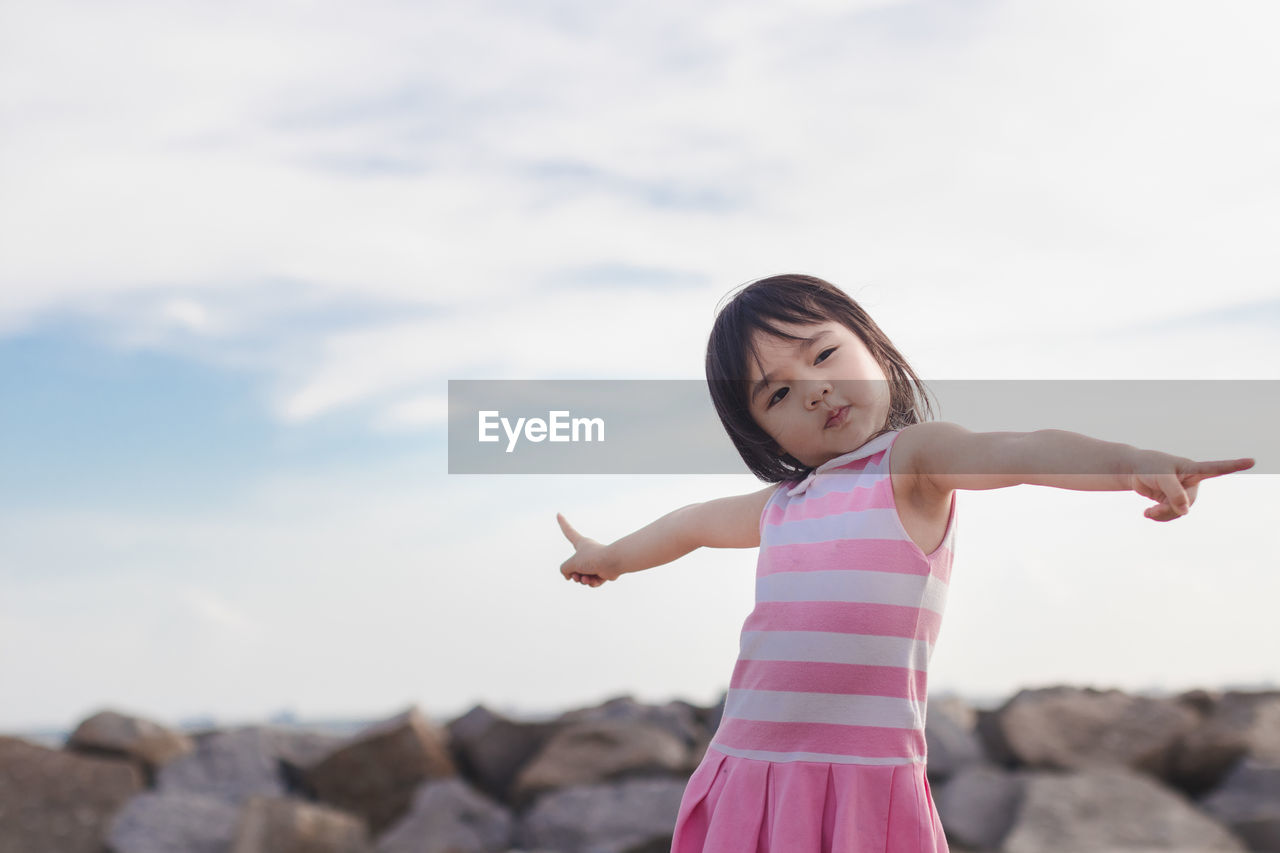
[746,805]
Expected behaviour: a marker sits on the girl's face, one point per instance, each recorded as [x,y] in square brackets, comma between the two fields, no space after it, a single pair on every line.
[803,385]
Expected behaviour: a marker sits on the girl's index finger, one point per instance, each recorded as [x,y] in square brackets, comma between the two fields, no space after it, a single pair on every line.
[1218,467]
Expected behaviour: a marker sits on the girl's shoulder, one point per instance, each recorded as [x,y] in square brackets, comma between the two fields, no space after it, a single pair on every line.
[906,462]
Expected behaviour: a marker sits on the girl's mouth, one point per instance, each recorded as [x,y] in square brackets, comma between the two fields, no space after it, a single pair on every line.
[837,417]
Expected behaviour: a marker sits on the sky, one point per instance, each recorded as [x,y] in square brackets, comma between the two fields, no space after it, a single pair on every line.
[248,245]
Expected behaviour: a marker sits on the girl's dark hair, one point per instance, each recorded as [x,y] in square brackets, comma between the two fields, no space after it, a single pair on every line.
[799,299]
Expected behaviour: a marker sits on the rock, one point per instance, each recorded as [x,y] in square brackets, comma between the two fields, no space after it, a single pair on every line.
[695,756]
[377,771]
[710,719]
[951,746]
[678,718]
[956,708]
[1108,808]
[705,723]
[296,749]
[1248,801]
[631,816]
[54,800]
[490,749]
[591,752]
[701,715]
[394,787]
[715,713]
[1232,726]
[302,748]
[1066,728]
[242,763]
[155,822]
[281,825]
[979,804]
[113,734]
[449,816]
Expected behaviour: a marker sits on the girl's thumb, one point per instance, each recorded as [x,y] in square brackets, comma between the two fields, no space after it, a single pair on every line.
[567,528]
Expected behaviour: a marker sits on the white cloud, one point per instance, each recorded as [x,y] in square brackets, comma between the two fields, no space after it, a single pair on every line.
[230,623]
[411,414]
[187,314]
[468,155]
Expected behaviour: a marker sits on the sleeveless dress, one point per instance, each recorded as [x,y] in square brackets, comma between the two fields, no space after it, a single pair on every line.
[821,748]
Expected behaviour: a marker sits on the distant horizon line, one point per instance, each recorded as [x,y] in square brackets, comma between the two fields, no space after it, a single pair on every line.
[289,718]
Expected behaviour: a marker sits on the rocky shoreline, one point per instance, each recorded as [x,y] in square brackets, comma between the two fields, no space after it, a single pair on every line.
[1057,769]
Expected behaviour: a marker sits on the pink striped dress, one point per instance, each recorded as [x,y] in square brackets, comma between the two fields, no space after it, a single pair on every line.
[821,748]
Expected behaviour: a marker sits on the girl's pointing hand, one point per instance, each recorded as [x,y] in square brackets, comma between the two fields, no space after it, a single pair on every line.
[1173,480]
[589,564]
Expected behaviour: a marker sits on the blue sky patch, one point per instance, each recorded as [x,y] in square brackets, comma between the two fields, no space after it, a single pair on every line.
[85,425]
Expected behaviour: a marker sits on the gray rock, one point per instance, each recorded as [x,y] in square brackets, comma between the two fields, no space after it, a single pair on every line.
[1234,724]
[449,816]
[377,771]
[692,724]
[956,708]
[978,805]
[951,746]
[277,825]
[54,800]
[155,822]
[251,761]
[490,749]
[302,748]
[231,766]
[715,713]
[110,733]
[678,718]
[1067,728]
[623,817]
[1107,808]
[592,752]
[1248,801]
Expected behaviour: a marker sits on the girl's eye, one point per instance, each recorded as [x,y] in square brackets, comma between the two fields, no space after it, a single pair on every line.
[783,391]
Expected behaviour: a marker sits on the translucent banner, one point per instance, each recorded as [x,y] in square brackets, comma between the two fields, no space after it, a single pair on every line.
[661,426]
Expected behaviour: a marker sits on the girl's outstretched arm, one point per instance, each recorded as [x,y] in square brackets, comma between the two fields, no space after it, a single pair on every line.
[951,457]
[732,522]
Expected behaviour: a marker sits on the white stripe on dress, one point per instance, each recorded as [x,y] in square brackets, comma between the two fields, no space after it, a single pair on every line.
[854,585]
[828,758]
[870,523]
[849,709]
[835,647]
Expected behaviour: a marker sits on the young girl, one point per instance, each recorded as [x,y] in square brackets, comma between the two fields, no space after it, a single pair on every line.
[821,748]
